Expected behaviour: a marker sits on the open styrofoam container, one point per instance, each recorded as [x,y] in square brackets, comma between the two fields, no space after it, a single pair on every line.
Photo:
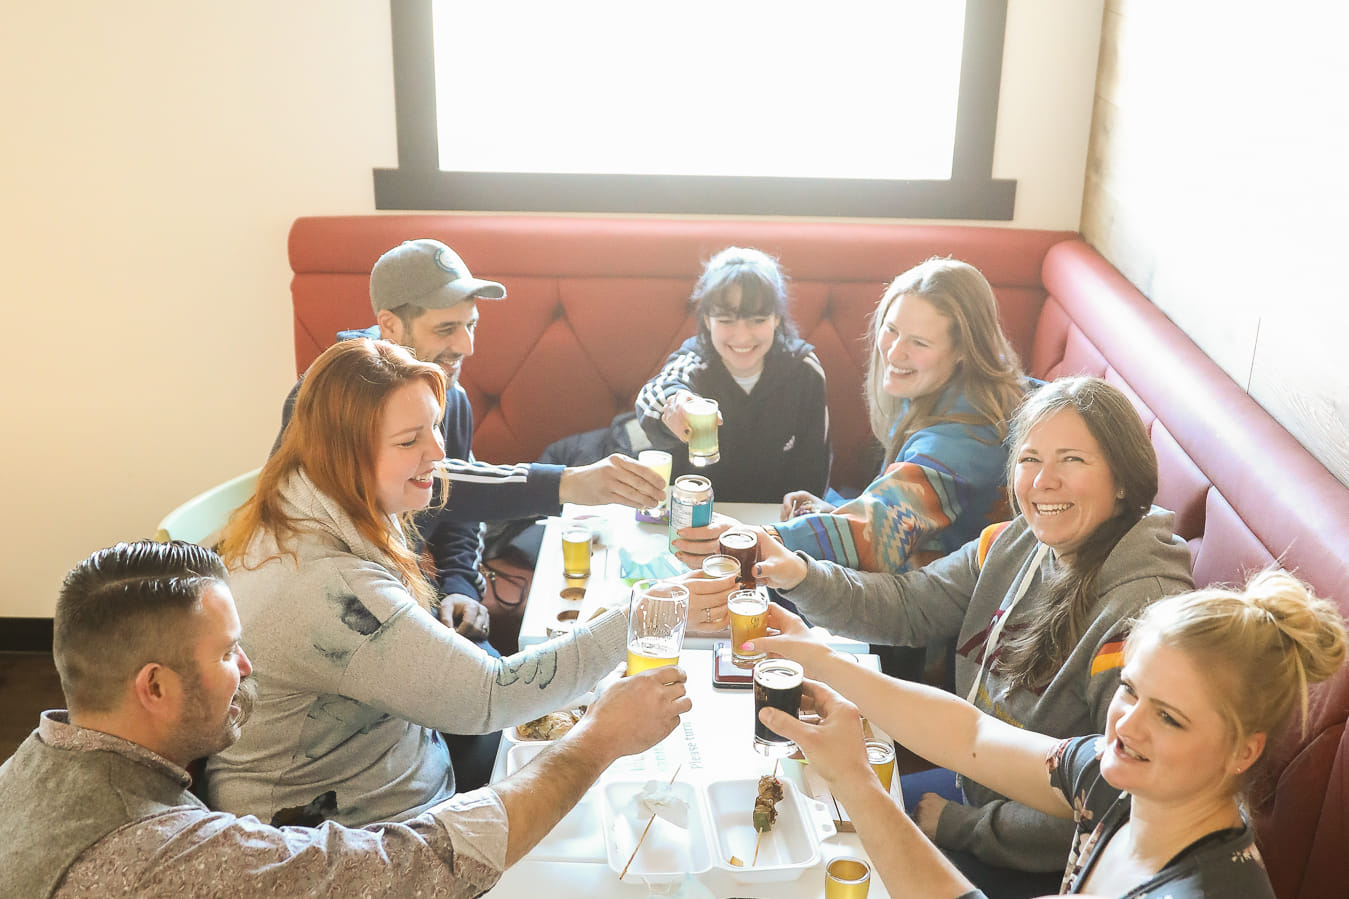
[785,852]
[578,837]
[669,852]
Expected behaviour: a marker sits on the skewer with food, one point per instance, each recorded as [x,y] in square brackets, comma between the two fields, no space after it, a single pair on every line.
[765,813]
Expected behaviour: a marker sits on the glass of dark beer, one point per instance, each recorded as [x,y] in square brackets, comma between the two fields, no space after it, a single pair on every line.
[743,546]
[777,683]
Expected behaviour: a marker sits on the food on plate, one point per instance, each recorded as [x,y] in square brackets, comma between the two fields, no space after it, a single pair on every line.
[737,861]
[765,805]
[551,726]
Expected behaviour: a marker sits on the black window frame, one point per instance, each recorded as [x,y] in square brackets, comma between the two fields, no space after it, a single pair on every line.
[971,192]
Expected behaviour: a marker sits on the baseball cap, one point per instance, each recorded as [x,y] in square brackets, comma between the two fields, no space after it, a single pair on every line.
[426,273]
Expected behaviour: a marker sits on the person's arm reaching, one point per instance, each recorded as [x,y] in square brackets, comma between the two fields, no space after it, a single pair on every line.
[935,725]
[903,859]
[630,716]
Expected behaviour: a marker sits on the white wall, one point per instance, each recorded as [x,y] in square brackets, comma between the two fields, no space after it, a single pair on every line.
[154,157]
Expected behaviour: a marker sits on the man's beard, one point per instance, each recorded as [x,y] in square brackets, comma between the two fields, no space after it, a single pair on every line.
[202,732]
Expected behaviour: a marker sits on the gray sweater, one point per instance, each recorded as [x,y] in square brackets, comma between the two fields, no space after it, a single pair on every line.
[957,597]
[355,679]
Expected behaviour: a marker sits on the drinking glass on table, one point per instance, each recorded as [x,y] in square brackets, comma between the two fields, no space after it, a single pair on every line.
[777,683]
[847,878]
[657,617]
[701,415]
[576,535]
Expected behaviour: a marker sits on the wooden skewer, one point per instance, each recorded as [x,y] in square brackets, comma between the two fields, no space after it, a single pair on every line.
[760,833]
[648,826]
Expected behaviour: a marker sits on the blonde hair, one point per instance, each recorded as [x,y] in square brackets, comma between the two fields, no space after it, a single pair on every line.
[989,369]
[1260,646]
[338,413]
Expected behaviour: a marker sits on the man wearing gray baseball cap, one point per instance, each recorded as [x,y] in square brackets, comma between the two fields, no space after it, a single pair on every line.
[425,299]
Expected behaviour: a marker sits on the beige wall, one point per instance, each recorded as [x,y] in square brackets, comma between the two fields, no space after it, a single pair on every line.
[154,157]
[1217,183]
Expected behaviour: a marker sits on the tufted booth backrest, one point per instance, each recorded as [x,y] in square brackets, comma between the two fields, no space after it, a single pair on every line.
[594,305]
[1246,494]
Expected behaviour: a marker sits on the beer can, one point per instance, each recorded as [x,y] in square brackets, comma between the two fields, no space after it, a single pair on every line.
[690,504]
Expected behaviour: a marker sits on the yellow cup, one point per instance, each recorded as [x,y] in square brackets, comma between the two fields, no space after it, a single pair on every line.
[847,878]
[881,755]
[576,549]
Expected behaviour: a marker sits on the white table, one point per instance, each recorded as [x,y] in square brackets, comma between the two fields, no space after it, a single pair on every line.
[713,741]
[605,588]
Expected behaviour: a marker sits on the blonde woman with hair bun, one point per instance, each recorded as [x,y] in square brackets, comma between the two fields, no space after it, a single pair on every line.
[1209,677]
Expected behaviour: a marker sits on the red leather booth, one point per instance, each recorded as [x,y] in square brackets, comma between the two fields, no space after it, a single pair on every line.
[595,304]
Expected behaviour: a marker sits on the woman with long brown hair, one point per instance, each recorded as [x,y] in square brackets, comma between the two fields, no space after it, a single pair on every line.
[1038,606]
[356,676]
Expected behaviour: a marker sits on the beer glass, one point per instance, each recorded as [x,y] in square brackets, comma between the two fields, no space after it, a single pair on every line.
[701,414]
[657,616]
[777,683]
[847,878]
[658,461]
[881,755]
[744,545]
[716,566]
[749,621]
[575,549]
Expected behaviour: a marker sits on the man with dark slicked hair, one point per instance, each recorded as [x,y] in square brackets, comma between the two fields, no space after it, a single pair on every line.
[96,800]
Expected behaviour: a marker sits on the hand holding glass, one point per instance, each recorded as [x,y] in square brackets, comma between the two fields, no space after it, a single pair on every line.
[657,617]
[701,415]
[777,683]
[658,461]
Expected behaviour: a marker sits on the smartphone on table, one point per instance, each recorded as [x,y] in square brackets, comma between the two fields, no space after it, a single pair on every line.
[725,674]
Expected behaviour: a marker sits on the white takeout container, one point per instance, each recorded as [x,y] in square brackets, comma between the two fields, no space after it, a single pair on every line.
[578,837]
[785,852]
[669,852]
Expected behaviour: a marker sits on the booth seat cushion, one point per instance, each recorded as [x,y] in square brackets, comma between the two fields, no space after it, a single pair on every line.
[595,305]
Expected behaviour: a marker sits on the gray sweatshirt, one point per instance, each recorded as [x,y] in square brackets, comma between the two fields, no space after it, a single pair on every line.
[355,679]
[957,597]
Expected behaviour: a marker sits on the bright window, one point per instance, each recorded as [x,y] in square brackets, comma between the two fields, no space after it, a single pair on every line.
[734,106]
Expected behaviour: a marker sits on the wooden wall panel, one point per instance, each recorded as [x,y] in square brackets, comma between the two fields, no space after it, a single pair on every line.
[1217,181]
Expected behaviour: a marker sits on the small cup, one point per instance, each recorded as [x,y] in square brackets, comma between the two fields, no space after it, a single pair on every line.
[744,545]
[576,536]
[718,566]
[777,683]
[847,877]
[749,621]
[701,415]
[660,462]
[881,755]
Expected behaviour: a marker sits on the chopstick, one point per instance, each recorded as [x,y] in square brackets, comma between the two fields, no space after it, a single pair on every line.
[649,823]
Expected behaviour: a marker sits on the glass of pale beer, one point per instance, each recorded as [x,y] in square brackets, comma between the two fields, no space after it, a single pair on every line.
[749,621]
[576,536]
[657,616]
[701,415]
[658,461]
[847,878]
[881,755]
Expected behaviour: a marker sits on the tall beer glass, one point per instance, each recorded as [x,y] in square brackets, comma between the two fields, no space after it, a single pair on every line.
[657,616]
[777,683]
